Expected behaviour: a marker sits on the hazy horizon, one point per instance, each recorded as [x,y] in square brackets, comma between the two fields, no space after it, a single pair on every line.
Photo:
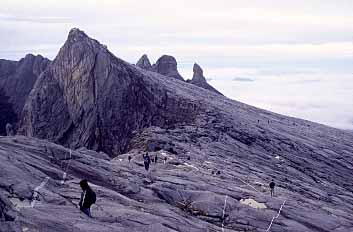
[290,58]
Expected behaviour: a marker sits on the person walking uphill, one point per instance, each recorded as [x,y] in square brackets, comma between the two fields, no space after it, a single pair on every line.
[146,161]
[88,198]
[272,187]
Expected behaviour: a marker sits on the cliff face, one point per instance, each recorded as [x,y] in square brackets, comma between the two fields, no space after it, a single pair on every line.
[17,78]
[199,80]
[88,97]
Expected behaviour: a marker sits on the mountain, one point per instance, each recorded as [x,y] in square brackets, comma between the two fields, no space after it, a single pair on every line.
[167,65]
[199,80]
[17,78]
[144,63]
[221,155]
[88,97]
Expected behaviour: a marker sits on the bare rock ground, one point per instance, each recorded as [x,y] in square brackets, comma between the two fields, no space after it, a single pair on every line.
[181,195]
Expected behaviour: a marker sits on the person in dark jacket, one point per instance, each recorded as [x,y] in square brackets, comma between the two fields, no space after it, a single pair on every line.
[272,188]
[129,158]
[88,198]
[155,159]
[146,161]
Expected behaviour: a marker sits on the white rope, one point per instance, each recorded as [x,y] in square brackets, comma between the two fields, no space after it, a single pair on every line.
[248,184]
[65,171]
[273,218]
[191,166]
[35,194]
[224,211]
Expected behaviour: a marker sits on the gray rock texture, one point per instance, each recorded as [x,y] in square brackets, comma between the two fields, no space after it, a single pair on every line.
[167,66]
[17,78]
[181,195]
[88,97]
[219,153]
[199,80]
[144,63]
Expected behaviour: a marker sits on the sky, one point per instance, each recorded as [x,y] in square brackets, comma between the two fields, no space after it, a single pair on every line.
[290,57]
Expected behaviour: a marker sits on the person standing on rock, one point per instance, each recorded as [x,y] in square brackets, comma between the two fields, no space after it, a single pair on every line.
[165,159]
[155,159]
[9,130]
[146,161]
[272,188]
[88,198]
[129,158]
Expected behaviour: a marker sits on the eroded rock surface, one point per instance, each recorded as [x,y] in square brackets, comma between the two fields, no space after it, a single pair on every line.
[17,78]
[144,63]
[199,79]
[181,195]
[88,97]
[167,66]
[219,152]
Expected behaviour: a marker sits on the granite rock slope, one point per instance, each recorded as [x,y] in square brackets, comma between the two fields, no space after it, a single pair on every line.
[88,97]
[221,155]
[17,78]
[206,192]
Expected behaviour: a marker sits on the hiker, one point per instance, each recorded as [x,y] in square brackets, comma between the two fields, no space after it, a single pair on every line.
[10,130]
[165,159]
[155,159]
[272,187]
[129,158]
[188,158]
[146,161]
[88,198]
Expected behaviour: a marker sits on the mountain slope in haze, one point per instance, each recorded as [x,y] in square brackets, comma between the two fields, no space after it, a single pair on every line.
[220,153]
[17,78]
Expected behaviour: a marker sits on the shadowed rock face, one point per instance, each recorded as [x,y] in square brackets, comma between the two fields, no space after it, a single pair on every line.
[199,80]
[88,97]
[167,65]
[144,63]
[17,78]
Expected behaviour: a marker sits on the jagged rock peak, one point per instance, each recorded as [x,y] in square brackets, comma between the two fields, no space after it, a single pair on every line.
[83,98]
[198,73]
[76,34]
[199,80]
[17,78]
[167,65]
[144,63]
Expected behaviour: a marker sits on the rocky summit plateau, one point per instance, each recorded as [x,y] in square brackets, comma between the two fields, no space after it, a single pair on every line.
[82,115]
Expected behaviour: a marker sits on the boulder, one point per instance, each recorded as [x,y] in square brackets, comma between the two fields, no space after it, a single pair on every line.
[167,65]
